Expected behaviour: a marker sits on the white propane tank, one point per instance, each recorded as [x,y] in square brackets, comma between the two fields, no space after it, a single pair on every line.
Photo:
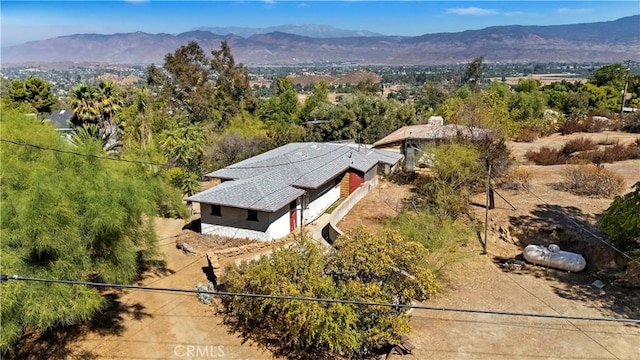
[554,257]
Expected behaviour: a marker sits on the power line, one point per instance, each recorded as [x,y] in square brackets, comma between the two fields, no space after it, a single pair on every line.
[586,230]
[4,278]
[41,147]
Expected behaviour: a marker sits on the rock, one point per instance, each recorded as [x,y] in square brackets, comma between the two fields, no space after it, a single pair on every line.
[599,284]
[186,248]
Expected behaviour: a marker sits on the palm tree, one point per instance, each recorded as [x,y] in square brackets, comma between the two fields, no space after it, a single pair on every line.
[84,104]
[108,104]
[87,133]
[143,128]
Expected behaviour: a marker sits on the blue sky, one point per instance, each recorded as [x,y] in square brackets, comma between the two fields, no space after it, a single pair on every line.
[34,20]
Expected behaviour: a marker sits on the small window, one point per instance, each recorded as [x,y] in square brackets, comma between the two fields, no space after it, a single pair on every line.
[252,215]
[216,210]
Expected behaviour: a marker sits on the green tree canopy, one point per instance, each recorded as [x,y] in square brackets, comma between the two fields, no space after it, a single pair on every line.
[319,96]
[610,75]
[69,217]
[34,91]
[474,75]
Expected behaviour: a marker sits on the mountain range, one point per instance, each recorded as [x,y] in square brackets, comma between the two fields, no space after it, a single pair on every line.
[610,41]
[310,30]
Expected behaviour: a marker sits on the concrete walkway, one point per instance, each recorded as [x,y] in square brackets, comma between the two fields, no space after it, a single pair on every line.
[319,230]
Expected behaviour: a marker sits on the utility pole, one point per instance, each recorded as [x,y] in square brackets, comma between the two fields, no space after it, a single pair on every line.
[626,83]
[486,212]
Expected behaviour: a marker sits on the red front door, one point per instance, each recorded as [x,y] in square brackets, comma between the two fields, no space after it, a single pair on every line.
[355,180]
[293,216]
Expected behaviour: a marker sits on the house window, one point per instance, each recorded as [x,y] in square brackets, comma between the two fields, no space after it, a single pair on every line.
[252,215]
[216,210]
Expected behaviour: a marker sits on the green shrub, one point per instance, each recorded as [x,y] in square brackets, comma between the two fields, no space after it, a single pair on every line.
[622,223]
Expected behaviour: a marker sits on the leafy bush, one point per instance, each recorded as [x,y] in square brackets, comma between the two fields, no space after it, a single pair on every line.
[527,135]
[632,123]
[621,220]
[591,180]
[364,267]
[456,164]
[457,170]
[515,179]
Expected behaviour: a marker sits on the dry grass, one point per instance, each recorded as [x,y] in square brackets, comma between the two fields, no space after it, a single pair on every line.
[590,180]
[575,145]
[527,135]
[515,179]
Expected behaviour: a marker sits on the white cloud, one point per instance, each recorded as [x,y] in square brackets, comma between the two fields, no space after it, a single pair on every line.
[302,5]
[472,10]
[573,11]
[270,2]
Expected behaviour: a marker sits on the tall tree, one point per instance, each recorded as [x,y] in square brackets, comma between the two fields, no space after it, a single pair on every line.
[474,75]
[187,84]
[318,97]
[233,93]
[282,108]
[97,105]
[68,217]
[34,91]
[108,103]
[83,100]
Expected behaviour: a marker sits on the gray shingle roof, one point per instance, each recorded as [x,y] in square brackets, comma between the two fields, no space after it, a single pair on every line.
[271,180]
[60,119]
[431,132]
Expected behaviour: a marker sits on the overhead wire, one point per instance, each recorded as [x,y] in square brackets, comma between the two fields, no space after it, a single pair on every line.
[41,147]
[324,300]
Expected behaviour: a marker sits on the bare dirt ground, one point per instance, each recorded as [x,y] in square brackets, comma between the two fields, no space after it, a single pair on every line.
[383,202]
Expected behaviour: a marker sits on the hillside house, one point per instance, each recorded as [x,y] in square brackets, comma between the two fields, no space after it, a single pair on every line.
[408,139]
[270,195]
[61,121]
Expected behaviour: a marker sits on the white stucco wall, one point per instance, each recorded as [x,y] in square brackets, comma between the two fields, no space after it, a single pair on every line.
[319,205]
[233,223]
